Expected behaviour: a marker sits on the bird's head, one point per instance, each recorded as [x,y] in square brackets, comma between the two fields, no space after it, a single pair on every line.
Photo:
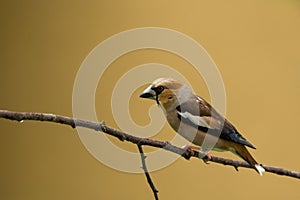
[167,92]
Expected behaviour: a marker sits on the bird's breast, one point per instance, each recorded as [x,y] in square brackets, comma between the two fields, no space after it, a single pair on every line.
[194,135]
[190,133]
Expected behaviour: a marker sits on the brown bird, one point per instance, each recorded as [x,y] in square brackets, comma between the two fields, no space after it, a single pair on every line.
[193,118]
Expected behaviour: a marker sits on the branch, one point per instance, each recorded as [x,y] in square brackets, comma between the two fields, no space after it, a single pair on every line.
[144,166]
[100,126]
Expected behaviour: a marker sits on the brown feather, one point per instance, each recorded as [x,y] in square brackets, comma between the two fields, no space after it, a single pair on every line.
[192,117]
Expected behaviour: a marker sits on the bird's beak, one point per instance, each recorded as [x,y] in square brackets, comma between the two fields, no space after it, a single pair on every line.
[148,93]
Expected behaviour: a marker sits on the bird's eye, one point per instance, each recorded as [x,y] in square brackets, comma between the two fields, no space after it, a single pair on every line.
[159,89]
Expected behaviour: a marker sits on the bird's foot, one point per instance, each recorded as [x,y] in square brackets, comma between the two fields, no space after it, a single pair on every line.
[190,149]
[206,157]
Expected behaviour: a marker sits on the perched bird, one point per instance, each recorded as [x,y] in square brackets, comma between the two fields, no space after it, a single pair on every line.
[193,118]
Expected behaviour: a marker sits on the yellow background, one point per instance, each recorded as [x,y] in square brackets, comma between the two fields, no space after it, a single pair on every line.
[255,44]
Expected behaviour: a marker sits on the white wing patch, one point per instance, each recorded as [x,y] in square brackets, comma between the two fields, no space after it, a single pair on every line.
[197,120]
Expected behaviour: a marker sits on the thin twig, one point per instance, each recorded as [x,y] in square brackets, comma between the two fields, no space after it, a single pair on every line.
[100,126]
[144,166]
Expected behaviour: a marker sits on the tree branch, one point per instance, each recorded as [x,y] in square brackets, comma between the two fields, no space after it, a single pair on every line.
[144,166]
[100,126]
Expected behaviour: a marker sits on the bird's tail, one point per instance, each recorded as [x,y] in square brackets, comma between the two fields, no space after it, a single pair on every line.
[244,153]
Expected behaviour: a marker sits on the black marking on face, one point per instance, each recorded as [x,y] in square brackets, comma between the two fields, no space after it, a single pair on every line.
[158,90]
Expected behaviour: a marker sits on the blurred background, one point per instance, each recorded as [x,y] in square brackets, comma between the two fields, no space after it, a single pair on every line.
[255,45]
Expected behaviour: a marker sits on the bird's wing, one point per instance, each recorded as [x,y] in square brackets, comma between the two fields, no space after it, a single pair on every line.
[197,112]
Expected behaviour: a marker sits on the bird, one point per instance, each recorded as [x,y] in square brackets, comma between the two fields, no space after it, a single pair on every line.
[194,118]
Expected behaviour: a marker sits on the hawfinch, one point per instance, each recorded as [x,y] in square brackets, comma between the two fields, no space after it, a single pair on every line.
[193,118]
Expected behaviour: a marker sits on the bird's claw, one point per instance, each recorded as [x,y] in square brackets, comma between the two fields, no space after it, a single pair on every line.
[206,158]
[190,149]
